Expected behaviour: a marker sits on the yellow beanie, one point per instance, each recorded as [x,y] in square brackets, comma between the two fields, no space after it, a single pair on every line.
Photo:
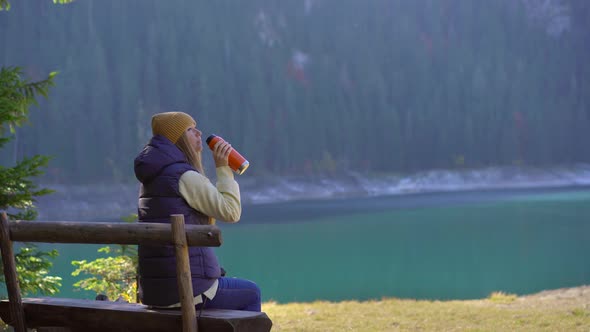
[171,124]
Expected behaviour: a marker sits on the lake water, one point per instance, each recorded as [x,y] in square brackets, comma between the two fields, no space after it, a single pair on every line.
[458,245]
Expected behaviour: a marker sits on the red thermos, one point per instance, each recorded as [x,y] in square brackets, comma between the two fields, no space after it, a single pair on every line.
[236,162]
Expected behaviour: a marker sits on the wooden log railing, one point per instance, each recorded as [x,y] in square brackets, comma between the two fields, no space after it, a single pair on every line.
[177,234]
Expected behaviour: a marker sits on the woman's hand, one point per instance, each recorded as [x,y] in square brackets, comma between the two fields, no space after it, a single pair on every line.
[221,152]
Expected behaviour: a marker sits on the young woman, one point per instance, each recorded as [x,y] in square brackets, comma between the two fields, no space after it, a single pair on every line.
[173,182]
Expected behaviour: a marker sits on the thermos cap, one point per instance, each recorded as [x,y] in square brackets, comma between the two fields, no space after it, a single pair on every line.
[212,136]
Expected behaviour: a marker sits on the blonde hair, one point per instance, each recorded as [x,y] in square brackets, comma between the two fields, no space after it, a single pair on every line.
[193,157]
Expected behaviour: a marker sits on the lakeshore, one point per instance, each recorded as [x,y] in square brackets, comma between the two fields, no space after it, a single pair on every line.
[566,309]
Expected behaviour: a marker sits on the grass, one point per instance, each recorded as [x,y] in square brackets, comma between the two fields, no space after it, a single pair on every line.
[501,297]
[558,310]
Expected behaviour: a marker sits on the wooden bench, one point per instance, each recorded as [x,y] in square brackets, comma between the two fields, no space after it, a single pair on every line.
[71,315]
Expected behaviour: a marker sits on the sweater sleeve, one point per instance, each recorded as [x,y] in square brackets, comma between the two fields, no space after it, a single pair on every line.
[220,202]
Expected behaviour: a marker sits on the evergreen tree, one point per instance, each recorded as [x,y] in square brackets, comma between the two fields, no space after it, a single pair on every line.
[429,83]
[17,190]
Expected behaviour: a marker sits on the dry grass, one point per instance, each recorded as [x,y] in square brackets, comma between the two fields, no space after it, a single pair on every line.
[501,297]
[557,310]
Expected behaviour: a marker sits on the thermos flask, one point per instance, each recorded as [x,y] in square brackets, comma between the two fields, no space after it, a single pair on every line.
[236,162]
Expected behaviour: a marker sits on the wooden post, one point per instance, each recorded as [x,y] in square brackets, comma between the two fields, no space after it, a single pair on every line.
[17,314]
[183,274]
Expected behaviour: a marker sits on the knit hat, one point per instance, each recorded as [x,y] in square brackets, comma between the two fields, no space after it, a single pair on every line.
[171,124]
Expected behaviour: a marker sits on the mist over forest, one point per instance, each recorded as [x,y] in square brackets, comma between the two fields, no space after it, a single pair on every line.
[307,87]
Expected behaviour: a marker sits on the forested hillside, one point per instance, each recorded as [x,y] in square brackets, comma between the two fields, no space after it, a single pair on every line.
[310,86]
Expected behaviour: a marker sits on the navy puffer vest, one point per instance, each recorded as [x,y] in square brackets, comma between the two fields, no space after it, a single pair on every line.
[158,167]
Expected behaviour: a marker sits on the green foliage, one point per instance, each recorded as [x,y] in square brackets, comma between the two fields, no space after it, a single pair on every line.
[32,266]
[389,86]
[17,190]
[17,95]
[5,4]
[115,275]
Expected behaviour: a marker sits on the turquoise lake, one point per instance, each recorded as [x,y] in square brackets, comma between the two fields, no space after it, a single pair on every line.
[425,246]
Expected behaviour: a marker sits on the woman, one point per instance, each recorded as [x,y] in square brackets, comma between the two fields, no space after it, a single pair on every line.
[173,182]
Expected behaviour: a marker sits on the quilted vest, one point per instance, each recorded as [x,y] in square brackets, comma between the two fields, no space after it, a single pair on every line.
[159,167]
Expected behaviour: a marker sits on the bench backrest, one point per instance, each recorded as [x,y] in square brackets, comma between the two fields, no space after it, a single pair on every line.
[175,233]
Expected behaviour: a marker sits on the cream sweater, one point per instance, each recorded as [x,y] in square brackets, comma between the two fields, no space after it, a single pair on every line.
[221,201]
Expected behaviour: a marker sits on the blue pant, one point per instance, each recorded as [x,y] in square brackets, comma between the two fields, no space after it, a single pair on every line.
[236,294]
